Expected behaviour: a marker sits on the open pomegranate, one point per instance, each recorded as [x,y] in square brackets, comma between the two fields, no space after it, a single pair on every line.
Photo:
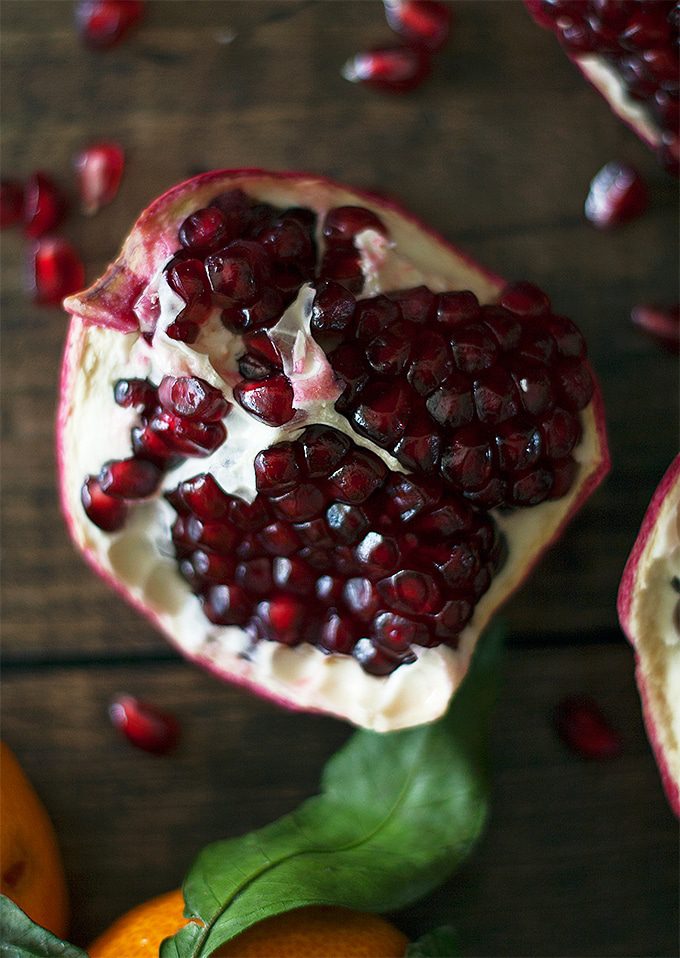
[649,611]
[628,50]
[315,444]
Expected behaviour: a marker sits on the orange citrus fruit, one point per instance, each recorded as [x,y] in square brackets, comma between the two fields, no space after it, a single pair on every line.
[31,872]
[314,932]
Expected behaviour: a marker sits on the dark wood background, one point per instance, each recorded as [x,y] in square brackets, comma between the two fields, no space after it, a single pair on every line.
[496,152]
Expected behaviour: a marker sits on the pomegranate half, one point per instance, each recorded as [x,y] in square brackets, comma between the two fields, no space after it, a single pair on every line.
[315,444]
[649,612]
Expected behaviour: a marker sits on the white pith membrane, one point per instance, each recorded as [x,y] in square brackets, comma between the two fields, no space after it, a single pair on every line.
[607,81]
[648,602]
[139,559]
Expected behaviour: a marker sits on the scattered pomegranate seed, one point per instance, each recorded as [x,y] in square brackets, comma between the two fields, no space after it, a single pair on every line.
[426,23]
[661,323]
[391,69]
[44,205]
[11,203]
[106,512]
[617,194]
[269,400]
[129,478]
[99,169]
[55,271]
[192,398]
[585,730]
[104,23]
[144,725]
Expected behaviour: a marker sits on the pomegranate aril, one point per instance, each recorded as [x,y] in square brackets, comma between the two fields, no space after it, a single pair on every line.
[388,354]
[183,332]
[467,460]
[459,563]
[279,539]
[473,348]
[505,327]
[144,725]
[408,498]
[248,516]
[661,323]
[294,575]
[397,633]
[188,436]
[452,404]
[226,605]
[55,271]
[416,304]
[373,316]
[425,23]
[351,368]
[106,512]
[332,309]
[382,412]
[648,28]
[256,576]
[564,474]
[192,398]
[129,478]
[235,207]
[282,617]
[260,315]
[566,336]
[617,194]
[357,478]
[11,203]
[456,308]
[560,432]
[574,384]
[299,504]
[315,533]
[137,393]
[585,730]
[260,344]
[360,596]
[188,279]
[269,400]
[216,535]
[519,443]
[237,273]
[277,469]
[390,69]
[99,170]
[420,446]
[524,299]
[44,205]
[104,23]
[342,224]
[431,363]
[329,589]
[212,567]
[347,523]
[378,555]
[343,267]
[205,230]
[534,387]
[323,448]
[378,660]
[287,241]
[454,616]
[445,521]
[495,396]
[147,444]
[531,487]
[411,592]
[336,635]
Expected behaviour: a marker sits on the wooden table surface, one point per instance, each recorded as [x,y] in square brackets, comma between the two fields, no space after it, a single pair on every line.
[496,152]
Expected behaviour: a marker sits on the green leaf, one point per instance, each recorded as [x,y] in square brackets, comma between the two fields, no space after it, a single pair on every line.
[396,814]
[440,943]
[22,938]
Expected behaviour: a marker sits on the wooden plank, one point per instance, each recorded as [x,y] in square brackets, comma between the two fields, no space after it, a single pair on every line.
[496,152]
[579,858]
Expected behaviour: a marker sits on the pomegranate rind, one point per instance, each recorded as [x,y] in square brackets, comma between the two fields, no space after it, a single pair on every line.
[643,607]
[303,678]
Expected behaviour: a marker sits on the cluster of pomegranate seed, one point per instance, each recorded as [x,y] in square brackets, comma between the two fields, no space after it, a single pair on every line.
[55,268]
[179,418]
[337,551]
[423,26]
[486,397]
[102,24]
[638,38]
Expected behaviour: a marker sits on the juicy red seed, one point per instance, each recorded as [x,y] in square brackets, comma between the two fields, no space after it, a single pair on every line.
[192,398]
[452,405]
[204,230]
[343,267]
[56,271]
[525,299]
[237,273]
[235,206]
[137,393]
[343,223]
[519,443]
[390,69]
[373,316]
[353,371]
[260,315]
[661,323]
[347,523]
[420,446]
[360,596]
[226,605]
[430,363]
[408,498]
[183,332]
[473,348]
[560,431]
[574,384]
[315,533]
[445,521]
[287,241]
[211,567]
[104,23]
[299,504]
[294,576]
[423,22]
[456,308]
[329,589]
[332,309]
[383,411]
[204,497]
[323,448]
[256,576]
[147,444]
[388,354]
[378,555]
[535,388]
[359,475]
[99,170]
[459,565]
[454,616]
[564,474]
[531,487]
[337,635]
[216,535]
[378,660]
[410,591]
[269,400]
[506,329]
[260,344]
[585,730]
[189,280]
[144,725]
[467,461]
[416,304]
[648,28]
[495,396]
[11,203]
[566,336]
[44,205]
[129,478]
[190,437]
[106,512]
[397,633]
[617,194]
[283,618]
[279,539]
[276,469]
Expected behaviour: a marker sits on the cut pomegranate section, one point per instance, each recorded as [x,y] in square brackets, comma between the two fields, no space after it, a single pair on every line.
[629,52]
[322,493]
[649,612]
